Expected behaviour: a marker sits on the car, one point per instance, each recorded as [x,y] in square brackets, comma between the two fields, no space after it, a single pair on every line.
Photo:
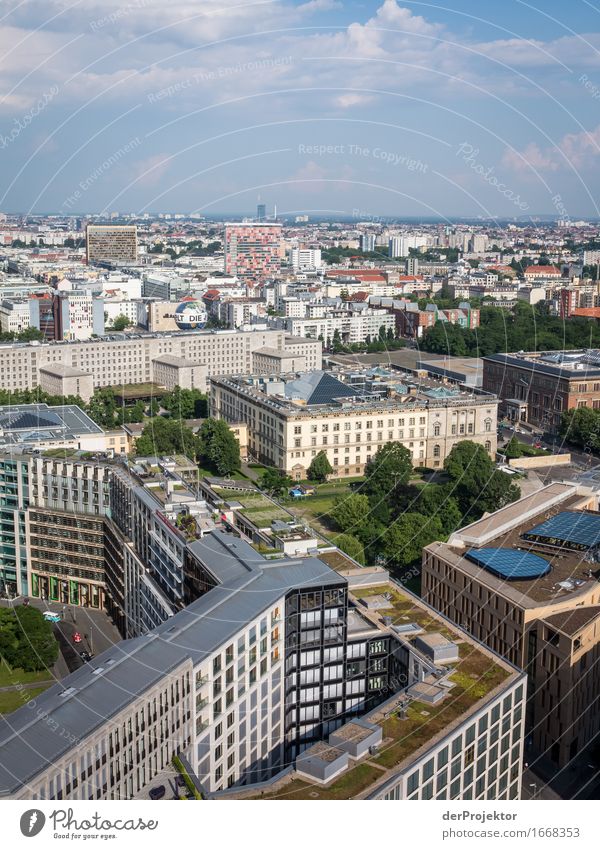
[50,616]
[77,637]
[157,792]
[85,656]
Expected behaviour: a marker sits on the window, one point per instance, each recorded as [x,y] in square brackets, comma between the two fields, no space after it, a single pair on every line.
[436,451]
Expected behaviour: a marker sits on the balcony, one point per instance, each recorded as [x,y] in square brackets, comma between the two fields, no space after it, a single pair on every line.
[200,681]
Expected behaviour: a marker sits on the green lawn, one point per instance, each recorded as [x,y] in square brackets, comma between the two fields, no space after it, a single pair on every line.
[12,699]
[9,677]
[346,787]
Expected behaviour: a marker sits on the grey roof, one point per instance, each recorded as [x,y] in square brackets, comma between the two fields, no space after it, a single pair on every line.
[38,422]
[318,387]
[250,585]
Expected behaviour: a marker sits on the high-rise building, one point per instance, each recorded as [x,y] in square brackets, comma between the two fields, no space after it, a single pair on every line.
[395,246]
[111,245]
[253,251]
[412,266]
[367,242]
[261,212]
[305,258]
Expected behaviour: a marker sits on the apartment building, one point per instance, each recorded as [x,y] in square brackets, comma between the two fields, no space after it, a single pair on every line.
[537,387]
[349,415]
[111,244]
[525,581]
[122,359]
[351,326]
[14,316]
[253,676]
[253,251]
[78,316]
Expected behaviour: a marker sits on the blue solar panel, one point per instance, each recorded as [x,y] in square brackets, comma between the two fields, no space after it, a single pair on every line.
[508,564]
[578,530]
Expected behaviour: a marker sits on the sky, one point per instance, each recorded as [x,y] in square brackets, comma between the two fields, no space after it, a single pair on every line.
[322,107]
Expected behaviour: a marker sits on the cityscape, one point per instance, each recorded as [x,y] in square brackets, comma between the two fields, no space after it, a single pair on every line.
[300,461]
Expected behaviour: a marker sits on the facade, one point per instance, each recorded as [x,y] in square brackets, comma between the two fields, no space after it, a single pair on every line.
[413,322]
[539,387]
[525,582]
[291,418]
[351,326]
[78,317]
[111,245]
[14,316]
[123,359]
[305,258]
[253,251]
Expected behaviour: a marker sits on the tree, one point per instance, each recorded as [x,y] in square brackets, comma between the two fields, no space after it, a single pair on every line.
[26,640]
[167,436]
[220,449]
[405,539]
[351,546]
[185,403]
[513,449]
[102,407]
[121,322]
[389,469]
[351,512]
[437,501]
[319,468]
[581,427]
[475,483]
[275,482]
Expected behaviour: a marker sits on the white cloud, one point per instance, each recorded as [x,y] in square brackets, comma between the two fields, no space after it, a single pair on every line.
[580,150]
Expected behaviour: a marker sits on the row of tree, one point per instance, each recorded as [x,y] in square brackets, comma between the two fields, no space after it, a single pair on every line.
[389,517]
[523,328]
[215,446]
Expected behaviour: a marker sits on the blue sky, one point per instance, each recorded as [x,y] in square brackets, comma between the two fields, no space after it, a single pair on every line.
[388,108]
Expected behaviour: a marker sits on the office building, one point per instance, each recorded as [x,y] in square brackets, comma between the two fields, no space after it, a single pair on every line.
[123,359]
[15,316]
[538,387]
[305,259]
[525,581]
[251,677]
[349,415]
[111,245]
[261,212]
[253,251]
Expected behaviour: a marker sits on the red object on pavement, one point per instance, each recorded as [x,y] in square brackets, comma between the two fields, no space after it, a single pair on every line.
[76,637]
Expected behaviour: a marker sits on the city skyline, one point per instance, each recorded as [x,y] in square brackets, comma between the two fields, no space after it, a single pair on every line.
[402,109]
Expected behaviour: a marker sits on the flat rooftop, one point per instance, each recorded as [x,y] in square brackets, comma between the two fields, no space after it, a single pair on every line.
[571,572]
[571,364]
[34,424]
[474,679]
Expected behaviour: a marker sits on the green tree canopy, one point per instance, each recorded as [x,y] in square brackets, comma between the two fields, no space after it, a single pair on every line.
[404,540]
[475,482]
[121,322]
[26,639]
[388,470]
[185,403]
[275,482]
[220,449]
[582,427]
[350,512]
[319,468]
[167,436]
[352,547]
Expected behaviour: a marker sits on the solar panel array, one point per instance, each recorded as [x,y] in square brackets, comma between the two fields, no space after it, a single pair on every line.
[574,530]
[509,564]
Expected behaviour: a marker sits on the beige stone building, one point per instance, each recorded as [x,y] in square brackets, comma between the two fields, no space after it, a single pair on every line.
[114,244]
[525,581]
[291,418]
[132,358]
